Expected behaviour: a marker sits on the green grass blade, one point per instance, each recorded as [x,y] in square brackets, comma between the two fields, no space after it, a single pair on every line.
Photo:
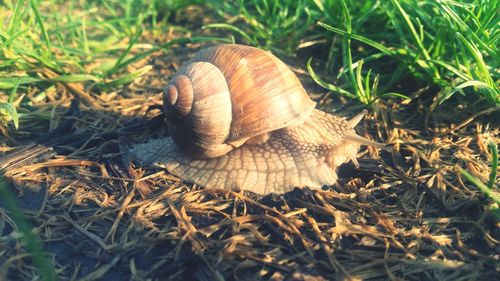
[473,83]
[9,111]
[132,42]
[127,78]
[13,92]
[71,78]
[11,82]
[494,163]
[416,37]
[453,69]
[398,95]
[483,69]
[16,16]
[346,48]
[84,36]
[326,85]
[487,191]
[38,17]
[363,96]
[232,28]
[359,38]
[31,242]
[12,38]
[495,210]
[319,4]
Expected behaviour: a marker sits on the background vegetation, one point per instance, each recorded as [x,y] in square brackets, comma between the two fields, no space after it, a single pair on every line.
[367,49]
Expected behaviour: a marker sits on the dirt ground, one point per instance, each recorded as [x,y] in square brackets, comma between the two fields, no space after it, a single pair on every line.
[405,215]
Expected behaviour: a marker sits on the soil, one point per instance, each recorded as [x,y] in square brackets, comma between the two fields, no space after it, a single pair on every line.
[404,215]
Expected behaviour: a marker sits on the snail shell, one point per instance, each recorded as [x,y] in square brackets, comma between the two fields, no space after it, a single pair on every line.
[228,94]
[240,119]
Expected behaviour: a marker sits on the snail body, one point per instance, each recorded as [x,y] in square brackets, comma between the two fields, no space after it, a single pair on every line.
[240,119]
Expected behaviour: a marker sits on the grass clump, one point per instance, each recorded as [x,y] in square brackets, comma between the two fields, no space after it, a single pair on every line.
[91,42]
[445,43]
[449,44]
[490,190]
[30,240]
[270,24]
[369,49]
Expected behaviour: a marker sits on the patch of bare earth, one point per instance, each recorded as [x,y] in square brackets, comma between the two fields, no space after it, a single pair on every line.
[402,215]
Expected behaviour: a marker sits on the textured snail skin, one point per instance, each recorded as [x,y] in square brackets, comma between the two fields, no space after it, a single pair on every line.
[295,156]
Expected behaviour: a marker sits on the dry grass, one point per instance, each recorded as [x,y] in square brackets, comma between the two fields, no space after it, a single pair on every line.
[402,216]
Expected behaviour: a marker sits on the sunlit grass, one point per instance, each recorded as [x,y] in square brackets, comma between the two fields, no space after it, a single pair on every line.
[275,25]
[40,45]
[449,44]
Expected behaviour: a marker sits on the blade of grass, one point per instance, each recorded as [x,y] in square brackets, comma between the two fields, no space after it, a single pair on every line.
[346,47]
[84,36]
[485,189]
[416,37]
[453,69]
[71,78]
[31,242]
[7,109]
[232,28]
[132,42]
[326,85]
[11,82]
[492,146]
[38,18]
[359,38]
[13,92]
[127,78]
[398,95]
[473,83]
[483,69]
[364,96]
[16,17]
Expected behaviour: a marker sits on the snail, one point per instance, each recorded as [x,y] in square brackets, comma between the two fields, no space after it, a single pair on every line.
[239,119]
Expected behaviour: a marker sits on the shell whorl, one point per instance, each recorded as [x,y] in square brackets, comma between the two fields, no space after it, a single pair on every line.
[178,97]
[197,104]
